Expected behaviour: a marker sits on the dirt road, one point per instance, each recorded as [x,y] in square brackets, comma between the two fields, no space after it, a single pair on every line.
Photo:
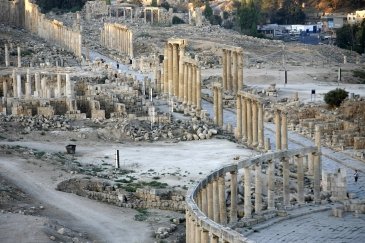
[103,222]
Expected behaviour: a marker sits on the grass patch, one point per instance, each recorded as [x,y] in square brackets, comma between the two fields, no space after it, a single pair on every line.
[39,154]
[142,214]
[133,186]
[359,74]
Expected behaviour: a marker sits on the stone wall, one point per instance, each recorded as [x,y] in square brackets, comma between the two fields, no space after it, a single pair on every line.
[103,191]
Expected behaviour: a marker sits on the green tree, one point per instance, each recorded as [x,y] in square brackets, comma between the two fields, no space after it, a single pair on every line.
[208,11]
[248,18]
[154,3]
[351,37]
[335,97]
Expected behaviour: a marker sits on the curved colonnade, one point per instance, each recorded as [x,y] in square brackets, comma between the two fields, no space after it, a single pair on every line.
[209,219]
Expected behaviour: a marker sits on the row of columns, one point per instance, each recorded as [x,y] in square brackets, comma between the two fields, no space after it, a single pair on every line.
[232,69]
[152,10]
[7,57]
[250,119]
[23,88]
[211,199]
[281,128]
[52,30]
[172,67]
[118,37]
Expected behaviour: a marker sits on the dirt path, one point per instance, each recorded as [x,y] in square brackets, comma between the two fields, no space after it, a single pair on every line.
[103,222]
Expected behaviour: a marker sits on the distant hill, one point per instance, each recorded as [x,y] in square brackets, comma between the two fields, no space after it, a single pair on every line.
[335,5]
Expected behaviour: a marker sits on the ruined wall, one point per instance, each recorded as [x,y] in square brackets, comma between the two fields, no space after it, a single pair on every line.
[12,12]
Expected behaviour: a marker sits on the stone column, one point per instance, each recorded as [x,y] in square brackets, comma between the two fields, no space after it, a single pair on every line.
[190,85]
[197,232]
[5,88]
[222,200]
[278,130]
[175,68]
[239,118]
[210,200]
[300,179]
[258,189]
[235,73]
[247,192]
[270,185]
[317,137]
[220,106]
[224,69]
[165,71]
[19,85]
[198,90]
[310,160]
[286,192]
[15,92]
[43,87]
[244,118]
[204,236]
[68,92]
[193,85]
[170,69]
[181,75]
[6,56]
[214,239]
[188,228]
[233,211]
[284,131]
[215,104]
[216,214]
[261,125]
[28,85]
[317,177]
[37,80]
[186,85]
[249,122]
[204,201]
[254,124]
[240,70]
[19,57]
[229,71]
[59,85]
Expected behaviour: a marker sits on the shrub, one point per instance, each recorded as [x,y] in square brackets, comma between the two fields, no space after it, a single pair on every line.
[335,97]
[177,20]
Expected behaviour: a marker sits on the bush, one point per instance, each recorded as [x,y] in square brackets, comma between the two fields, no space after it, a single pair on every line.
[335,97]
[177,20]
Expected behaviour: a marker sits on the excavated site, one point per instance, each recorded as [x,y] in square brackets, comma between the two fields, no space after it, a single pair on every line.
[118,126]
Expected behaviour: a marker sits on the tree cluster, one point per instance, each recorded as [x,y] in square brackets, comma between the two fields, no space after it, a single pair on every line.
[63,5]
[352,37]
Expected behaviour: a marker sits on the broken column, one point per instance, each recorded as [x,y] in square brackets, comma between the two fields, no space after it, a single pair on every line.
[19,57]
[6,56]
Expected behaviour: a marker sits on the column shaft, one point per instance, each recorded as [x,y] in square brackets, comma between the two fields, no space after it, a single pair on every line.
[254,124]
[258,189]
[216,214]
[204,201]
[249,122]
[220,106]
[235,73]
[233,211]
[175,70]
[239,118]
[286,192]
[317,177]
[210,201]
[278,130]
[240,70]
[284,131]
[244,118]
[222,200]
[247,192]
[261,125]
[270,185]
[229,71]
[170,69]
[300,179]
[198,89]
[224,70]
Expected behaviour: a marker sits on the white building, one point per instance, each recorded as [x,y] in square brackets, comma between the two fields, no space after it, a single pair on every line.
[356,18]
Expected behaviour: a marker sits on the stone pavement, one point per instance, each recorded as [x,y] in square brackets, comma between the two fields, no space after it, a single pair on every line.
[315,227]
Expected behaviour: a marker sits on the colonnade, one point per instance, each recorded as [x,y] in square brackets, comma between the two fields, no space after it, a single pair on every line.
[250,119]
[12,13]
[118,37]
[7,57]
[152,10]
[173,67]
[52,30]
[232,68]
[23,85]
[281,128]
[218,104]
[206,212]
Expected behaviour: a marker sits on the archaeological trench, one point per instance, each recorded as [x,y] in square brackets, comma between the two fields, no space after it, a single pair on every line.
[65,74]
